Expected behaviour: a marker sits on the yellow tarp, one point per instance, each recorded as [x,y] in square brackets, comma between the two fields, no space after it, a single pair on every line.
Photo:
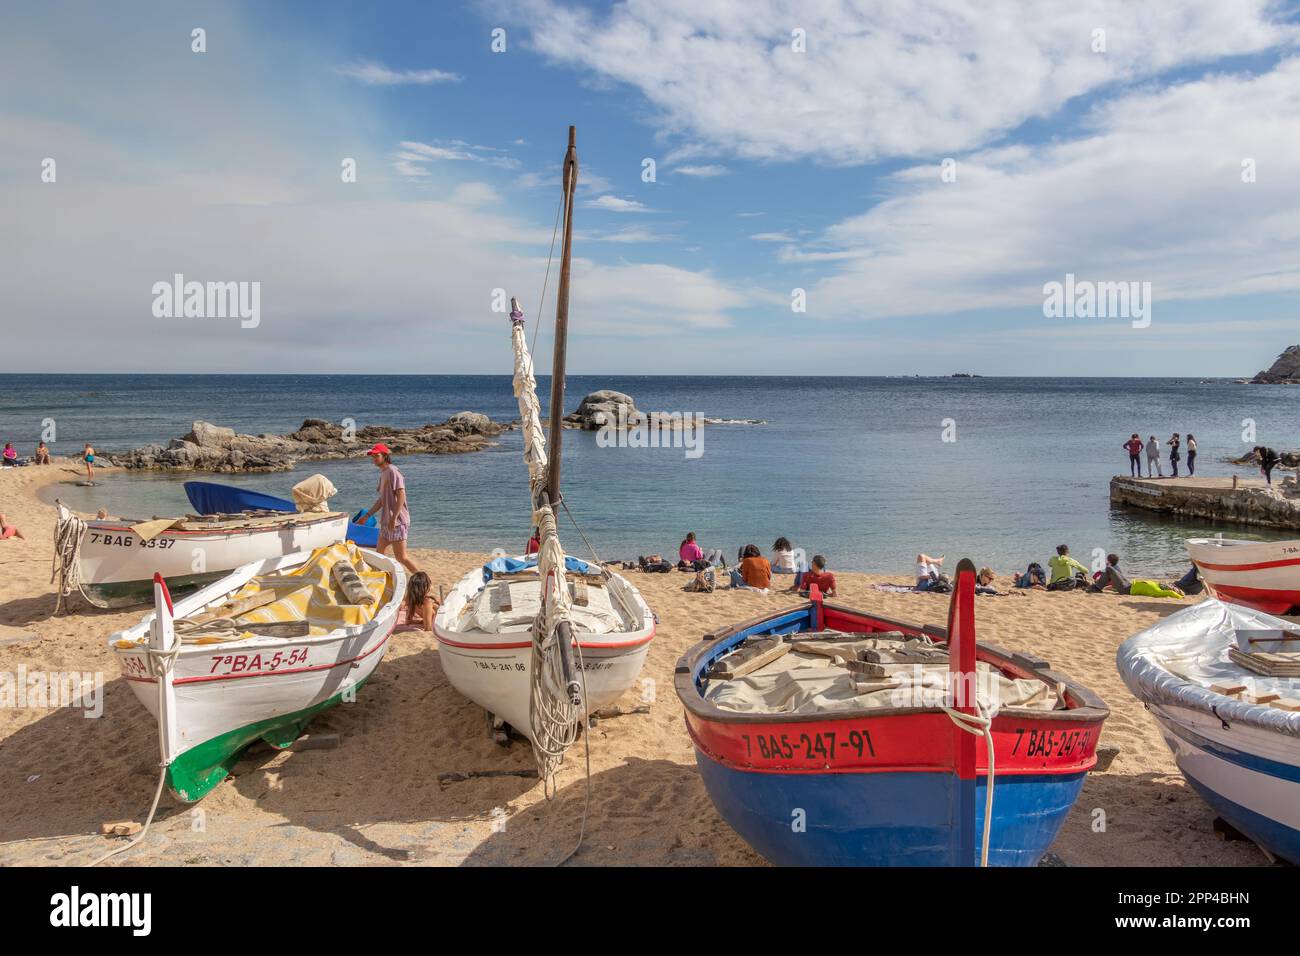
[308,593]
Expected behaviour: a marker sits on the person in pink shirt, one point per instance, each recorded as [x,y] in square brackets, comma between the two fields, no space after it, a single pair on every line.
[395,523]
[690,551]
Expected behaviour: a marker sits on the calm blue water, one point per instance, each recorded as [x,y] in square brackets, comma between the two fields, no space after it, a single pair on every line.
[854,468]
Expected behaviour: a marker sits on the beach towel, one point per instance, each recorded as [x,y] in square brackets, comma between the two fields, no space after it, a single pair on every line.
[895,588]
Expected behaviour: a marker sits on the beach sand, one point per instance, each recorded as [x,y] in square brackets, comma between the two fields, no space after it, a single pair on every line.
[376,798]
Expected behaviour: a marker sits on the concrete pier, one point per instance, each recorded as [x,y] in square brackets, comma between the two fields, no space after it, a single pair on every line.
[1214,499]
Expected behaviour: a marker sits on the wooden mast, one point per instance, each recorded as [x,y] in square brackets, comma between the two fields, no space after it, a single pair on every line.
[562,323]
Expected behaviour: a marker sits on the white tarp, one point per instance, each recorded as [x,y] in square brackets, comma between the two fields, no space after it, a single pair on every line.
[1178,659]
[312,494]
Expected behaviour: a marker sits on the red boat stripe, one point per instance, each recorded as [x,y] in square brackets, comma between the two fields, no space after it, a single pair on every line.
[296,670]
[1260,566]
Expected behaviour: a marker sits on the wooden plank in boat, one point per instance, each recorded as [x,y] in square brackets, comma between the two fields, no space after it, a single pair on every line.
[749,658]
[1285,703]
[1265,663]
[501,597]
[233,608]
[1227,688]
[578,588]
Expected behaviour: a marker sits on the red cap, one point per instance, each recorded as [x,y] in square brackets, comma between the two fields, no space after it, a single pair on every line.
[380,449]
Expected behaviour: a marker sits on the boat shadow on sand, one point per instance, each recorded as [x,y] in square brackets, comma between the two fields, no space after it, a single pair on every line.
[374,798]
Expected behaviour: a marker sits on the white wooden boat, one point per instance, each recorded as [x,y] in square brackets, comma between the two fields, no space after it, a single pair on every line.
[117,558]
[486,651]
[1264,575]
[214,691]
[1234,733]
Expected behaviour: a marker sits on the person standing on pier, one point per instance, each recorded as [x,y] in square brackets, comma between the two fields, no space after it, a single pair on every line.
[1134,448]
[1174,443]
[1191,455]
[1268,460]
[1153,458]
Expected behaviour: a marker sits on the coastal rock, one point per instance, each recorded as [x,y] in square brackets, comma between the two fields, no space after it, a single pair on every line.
[1285,371]
[208,447]
[600,407]
[1275,507]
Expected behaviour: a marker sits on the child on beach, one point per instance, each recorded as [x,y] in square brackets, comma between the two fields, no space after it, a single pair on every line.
[1065,570]
[1134,448]
[420,605]
[1153,458]
[819,576]
[396,520]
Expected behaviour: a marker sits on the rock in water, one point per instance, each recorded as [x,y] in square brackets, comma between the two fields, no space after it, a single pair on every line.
[1285,371]
[602,407]
[208,447]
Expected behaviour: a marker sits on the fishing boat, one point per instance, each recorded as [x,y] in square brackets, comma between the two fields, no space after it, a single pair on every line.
[1264,575]
[210,497]
[542,642]
[257,654]
[113,560]
[1223,684]
[827,736]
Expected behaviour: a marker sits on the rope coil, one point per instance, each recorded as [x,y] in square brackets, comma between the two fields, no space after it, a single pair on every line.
[981,726]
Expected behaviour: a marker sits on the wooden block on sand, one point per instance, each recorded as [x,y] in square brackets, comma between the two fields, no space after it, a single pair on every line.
[120,828]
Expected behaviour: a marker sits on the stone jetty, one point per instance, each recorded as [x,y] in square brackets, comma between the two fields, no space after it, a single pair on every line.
[1214,499]
[208,447]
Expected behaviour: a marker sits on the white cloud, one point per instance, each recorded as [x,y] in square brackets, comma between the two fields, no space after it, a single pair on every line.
[615,204]
[772,237]
[376,74]
[1152,191]
[703,172]
[412,158]
[880,80]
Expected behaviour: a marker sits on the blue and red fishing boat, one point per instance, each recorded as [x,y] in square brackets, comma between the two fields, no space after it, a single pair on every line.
[909,783]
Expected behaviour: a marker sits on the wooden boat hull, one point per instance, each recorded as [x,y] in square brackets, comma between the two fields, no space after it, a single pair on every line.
[1264,575]
[493,669]
[1250,777]
[117,567]
[879,787]
[227,696]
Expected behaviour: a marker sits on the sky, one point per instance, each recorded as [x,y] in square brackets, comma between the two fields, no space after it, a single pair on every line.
[766,186]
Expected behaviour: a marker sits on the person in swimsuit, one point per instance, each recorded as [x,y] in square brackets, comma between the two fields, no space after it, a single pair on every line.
[88,456]
[9,531]
[395,522]
[420,606]
[42,454]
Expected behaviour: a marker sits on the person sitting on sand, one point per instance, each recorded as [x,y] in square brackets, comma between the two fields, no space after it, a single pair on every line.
[1134,448]
[817,575]
[1153,458]
[1115,578]
[689,550]
[1034,577]
[42,456]
[755,572]
[1191,583]
[783,557]
[420,605]
[1065,570]
[928,575]
[10,455]
[9,531]
[984,582]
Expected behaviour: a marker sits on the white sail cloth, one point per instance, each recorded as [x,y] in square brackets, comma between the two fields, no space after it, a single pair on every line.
[313,494]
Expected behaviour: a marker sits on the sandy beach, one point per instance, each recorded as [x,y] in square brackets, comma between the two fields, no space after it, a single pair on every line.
[376,799]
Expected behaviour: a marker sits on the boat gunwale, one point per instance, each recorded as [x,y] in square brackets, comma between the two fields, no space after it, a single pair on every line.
[110,524]
[1089,706]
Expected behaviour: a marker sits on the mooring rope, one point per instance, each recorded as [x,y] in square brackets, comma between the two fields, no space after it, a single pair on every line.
[65,565]
[981,726]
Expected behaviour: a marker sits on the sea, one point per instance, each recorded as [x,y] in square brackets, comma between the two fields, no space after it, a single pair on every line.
[865,471]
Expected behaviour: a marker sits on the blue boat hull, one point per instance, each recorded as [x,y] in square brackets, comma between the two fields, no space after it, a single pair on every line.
[885,819]
[209,497]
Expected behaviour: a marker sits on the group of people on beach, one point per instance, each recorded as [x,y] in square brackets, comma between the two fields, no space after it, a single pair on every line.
[1135,447]
[41,456]
[753,571]
[1067,574]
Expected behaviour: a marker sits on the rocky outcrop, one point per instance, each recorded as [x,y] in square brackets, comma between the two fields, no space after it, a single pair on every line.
[1285,371]
[1275,507]
[618,409]
[208,447]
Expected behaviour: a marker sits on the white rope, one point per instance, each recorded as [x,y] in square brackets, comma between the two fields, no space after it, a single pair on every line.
[160,662]
[980,726]
[65,565]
